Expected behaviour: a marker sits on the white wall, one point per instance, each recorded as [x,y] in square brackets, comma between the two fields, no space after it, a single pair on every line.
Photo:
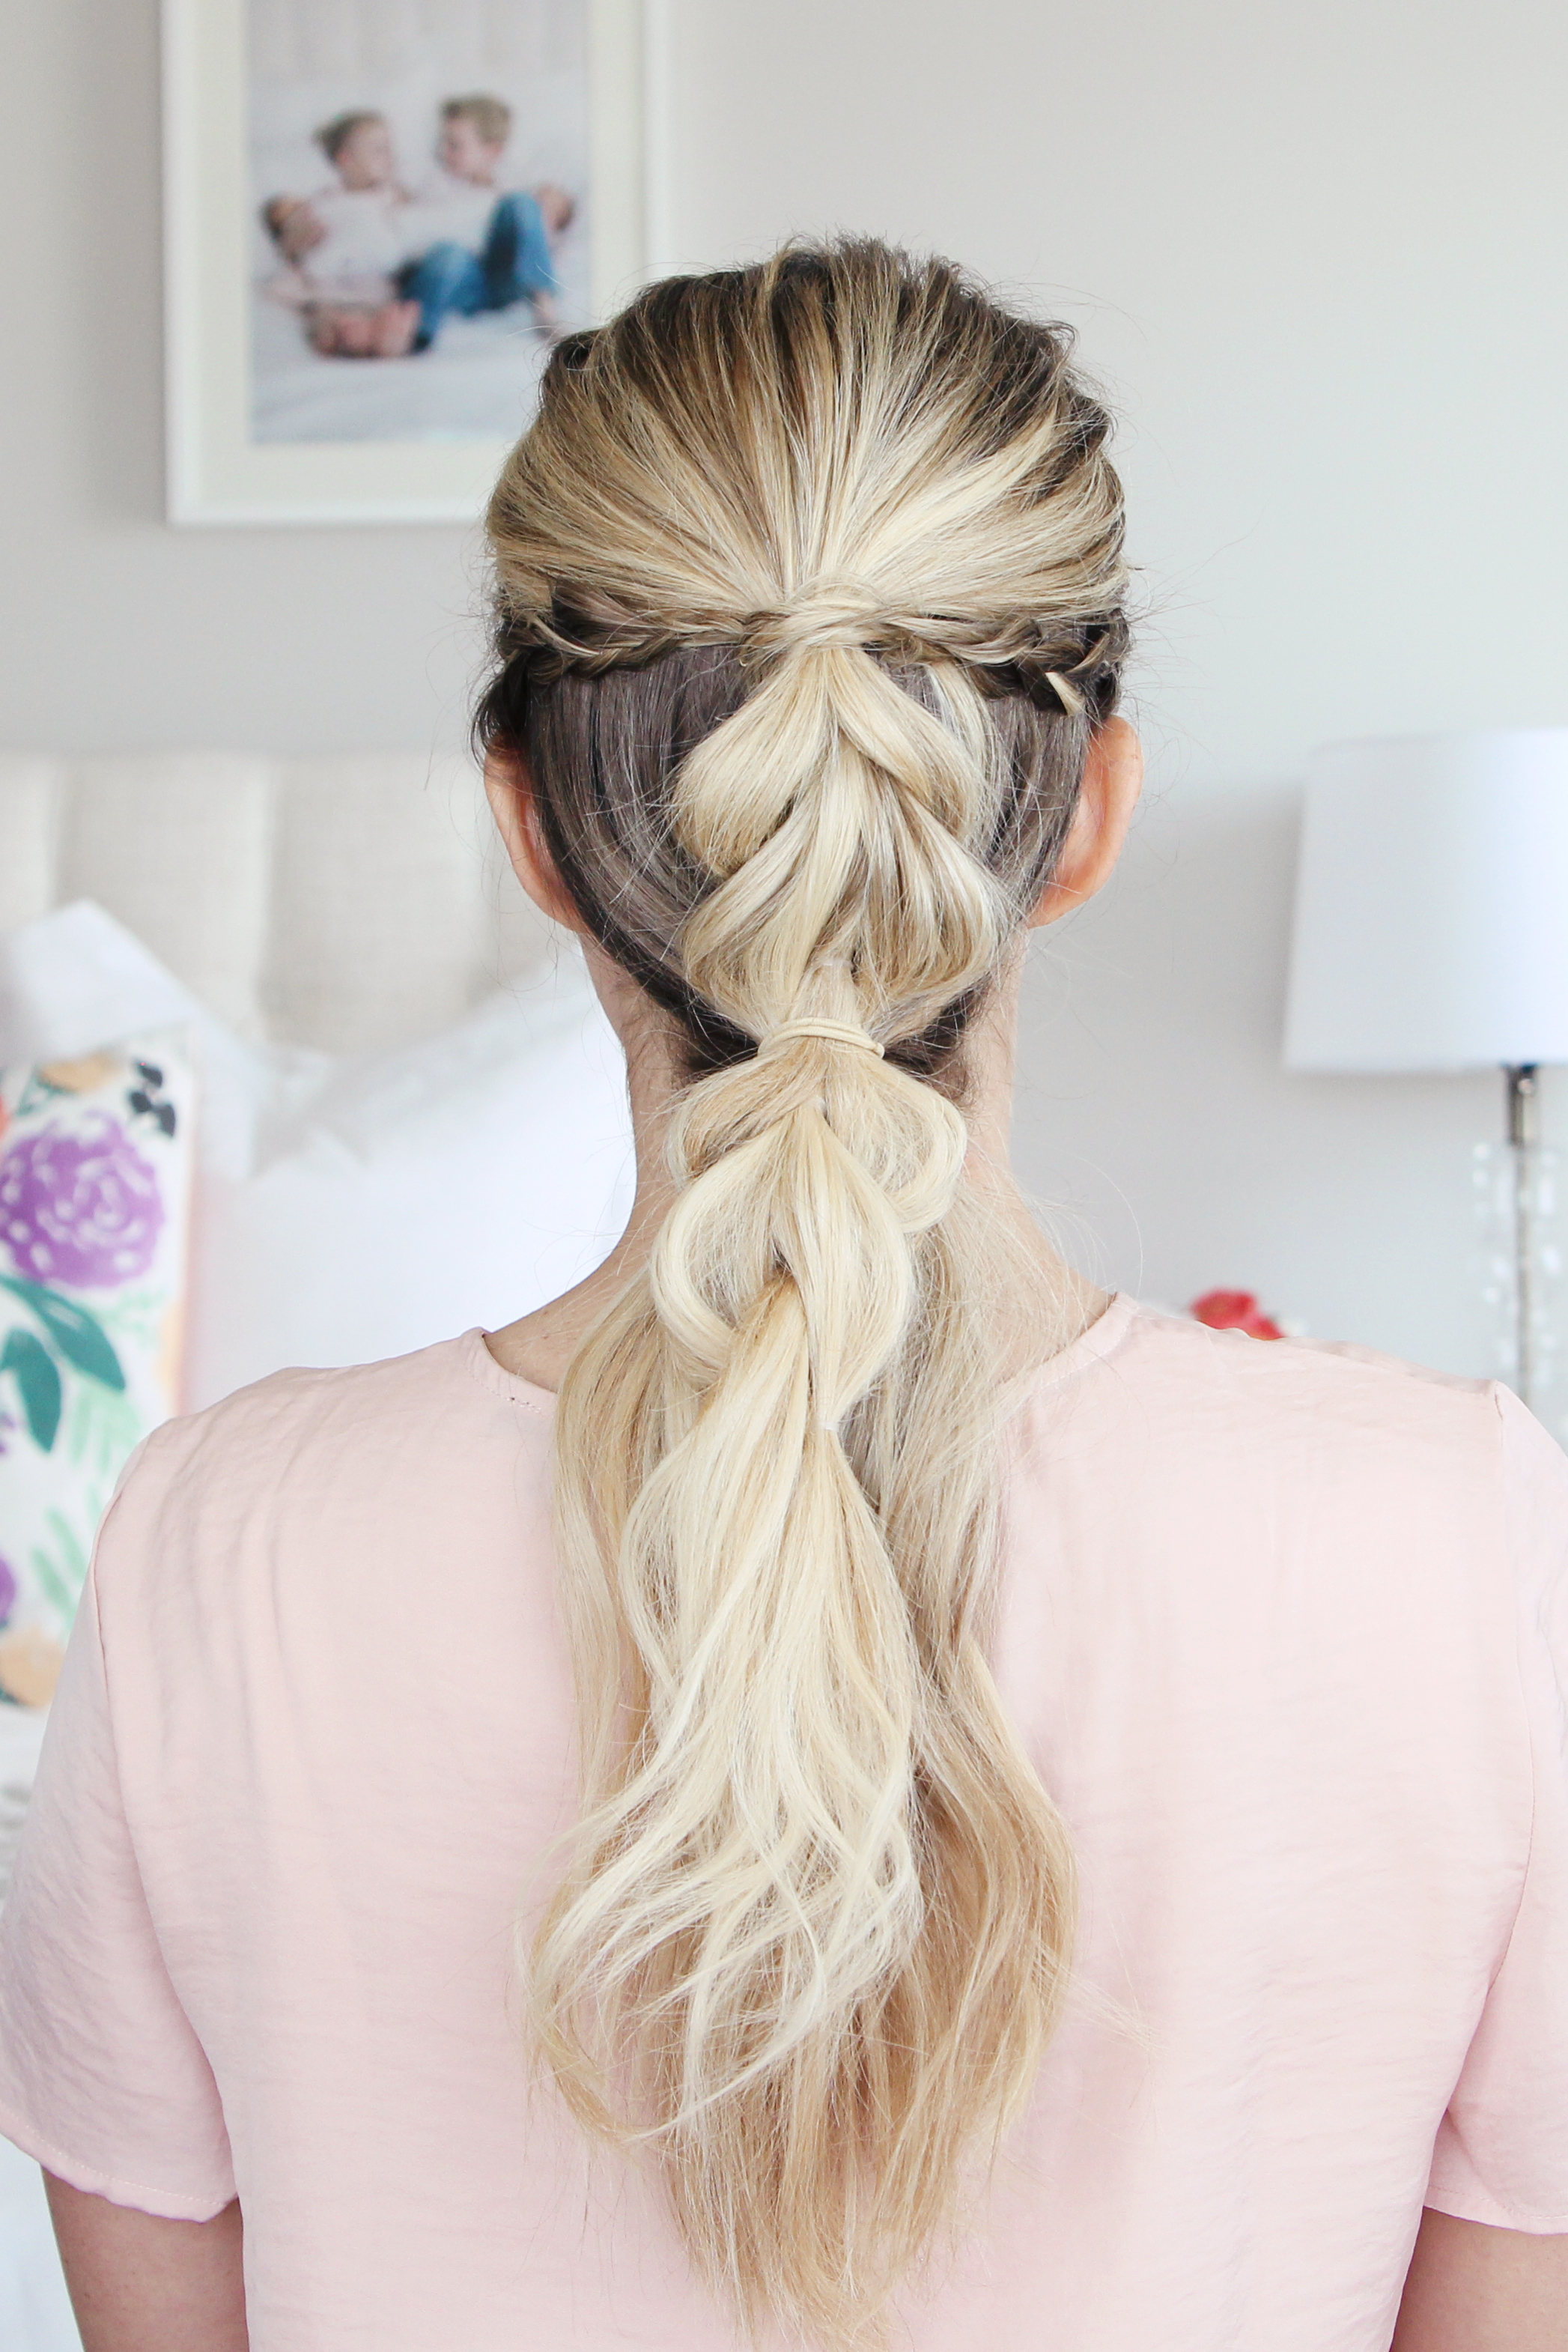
[1317,254]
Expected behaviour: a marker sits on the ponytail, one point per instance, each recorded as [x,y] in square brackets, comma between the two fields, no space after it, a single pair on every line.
[811,1934]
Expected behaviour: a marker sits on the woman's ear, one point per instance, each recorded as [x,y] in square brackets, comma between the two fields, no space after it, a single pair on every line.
[1113,779]
[510,789]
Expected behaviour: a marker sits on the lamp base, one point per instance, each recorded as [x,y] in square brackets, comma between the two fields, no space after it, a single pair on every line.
[1518,1194]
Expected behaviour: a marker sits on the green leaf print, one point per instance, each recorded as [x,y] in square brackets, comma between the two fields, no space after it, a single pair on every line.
[72,1554]
[79,1337]
[37,1380]
[37,1090]
[100,1427]
[137,1315]
[55,1589]
[62,1571]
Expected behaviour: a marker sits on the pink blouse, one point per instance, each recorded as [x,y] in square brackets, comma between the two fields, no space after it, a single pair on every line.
[1284,1628]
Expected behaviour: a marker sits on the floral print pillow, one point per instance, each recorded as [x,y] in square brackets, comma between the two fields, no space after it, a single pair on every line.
[95,1177]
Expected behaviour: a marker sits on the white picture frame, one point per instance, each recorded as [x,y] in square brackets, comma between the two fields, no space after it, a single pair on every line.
[217,472]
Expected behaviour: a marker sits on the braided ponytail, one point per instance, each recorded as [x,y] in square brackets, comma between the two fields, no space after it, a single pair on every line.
[808,583]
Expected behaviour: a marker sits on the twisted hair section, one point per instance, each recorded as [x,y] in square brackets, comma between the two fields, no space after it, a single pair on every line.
[809,599]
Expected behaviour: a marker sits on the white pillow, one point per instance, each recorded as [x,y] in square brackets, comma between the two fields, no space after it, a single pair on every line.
[352,1208]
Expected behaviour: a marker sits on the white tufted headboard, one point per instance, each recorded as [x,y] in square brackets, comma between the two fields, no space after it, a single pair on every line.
[349,902]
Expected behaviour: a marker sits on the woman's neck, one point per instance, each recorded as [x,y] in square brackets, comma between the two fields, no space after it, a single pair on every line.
[539,1347]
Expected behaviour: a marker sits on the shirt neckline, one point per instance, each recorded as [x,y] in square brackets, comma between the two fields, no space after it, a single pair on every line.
[1104,1334]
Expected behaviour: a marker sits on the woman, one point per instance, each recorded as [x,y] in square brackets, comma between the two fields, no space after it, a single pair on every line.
[1062,1840]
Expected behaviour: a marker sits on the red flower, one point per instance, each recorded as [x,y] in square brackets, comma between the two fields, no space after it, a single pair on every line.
[1235,1310]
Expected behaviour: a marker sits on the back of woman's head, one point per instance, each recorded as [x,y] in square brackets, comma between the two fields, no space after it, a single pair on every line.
[809,603]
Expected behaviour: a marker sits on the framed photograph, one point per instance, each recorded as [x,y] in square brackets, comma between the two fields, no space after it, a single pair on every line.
[379,216]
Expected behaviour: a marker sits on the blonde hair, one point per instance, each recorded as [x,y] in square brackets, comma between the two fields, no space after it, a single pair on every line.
[491,117]
[809,598]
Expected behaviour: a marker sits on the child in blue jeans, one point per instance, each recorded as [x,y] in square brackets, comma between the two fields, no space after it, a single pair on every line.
[499,247]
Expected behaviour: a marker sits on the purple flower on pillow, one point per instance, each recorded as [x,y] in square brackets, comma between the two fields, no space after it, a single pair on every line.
[80,1204]
[8,1592]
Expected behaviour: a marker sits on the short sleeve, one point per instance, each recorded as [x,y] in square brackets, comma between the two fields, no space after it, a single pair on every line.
[102,2079]
[1501,2154]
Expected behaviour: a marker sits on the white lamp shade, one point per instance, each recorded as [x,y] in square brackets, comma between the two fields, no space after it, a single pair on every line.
[1432,905]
